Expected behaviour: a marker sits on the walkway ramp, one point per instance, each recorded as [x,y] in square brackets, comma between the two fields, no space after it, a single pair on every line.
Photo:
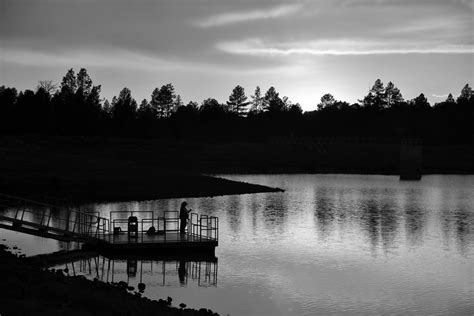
[114,234]
[50,221]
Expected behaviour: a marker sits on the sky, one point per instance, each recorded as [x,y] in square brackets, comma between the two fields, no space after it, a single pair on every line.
[304,48]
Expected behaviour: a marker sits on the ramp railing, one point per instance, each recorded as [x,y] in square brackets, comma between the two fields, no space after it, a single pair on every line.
[51,221]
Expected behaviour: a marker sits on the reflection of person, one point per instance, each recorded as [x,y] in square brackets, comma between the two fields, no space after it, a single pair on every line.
[183,216]
[182,272]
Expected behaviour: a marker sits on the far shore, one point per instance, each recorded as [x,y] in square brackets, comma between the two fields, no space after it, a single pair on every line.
[81,170]
[74,169]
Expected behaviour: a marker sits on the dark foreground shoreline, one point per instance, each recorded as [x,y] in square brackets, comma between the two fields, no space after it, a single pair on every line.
[28,289]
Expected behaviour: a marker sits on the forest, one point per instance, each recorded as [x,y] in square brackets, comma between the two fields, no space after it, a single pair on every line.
[75,107]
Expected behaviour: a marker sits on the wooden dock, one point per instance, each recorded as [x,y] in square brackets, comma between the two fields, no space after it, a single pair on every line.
[122,232]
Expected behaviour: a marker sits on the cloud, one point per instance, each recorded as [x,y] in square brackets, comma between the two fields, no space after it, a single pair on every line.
[115,58]
[257,47]
[246,16]
[449,25]
[103,57]
[440,95]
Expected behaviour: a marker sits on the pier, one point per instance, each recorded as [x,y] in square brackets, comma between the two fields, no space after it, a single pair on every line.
[122,232]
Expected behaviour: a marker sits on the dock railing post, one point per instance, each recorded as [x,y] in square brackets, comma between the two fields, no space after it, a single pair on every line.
[67,219]
[42,216]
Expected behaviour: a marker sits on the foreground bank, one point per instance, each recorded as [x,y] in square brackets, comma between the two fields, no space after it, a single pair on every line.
[29,290]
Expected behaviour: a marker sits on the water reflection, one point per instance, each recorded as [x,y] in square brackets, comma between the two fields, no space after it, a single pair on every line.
[275,212]
[142,272]
[460,223]
[325,213]
[415,218]
[330,244]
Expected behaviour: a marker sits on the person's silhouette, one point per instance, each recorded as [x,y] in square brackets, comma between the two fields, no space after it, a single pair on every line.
[183,216]
[182,272]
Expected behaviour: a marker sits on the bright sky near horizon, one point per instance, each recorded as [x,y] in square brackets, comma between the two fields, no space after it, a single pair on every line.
[304,48]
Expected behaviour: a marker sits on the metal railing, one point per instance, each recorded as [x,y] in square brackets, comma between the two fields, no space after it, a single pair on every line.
[53,220]
[165,228]
[76,225]
[204,227]
[132,271]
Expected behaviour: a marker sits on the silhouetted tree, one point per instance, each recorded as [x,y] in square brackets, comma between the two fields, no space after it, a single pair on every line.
[466,94]
[84,82]
[166,100]
[369,101]
[124,111]
[28,111]
[8,115]
[392,95]
[295,110]
[77,109]
[193,106]
[178,102]
[69,82]
[257,102]
[107,109]
[376,96]
[420,102]
[273,103]
[93,107]
[327,100]
[155,102]
[238,101]
[450,99]
[48,86]
[145,112]
[211,109]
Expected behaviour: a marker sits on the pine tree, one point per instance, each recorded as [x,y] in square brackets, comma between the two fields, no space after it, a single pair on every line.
[84,82]
[378,92]
[178,102]
[420,102]
[369,101]
[466,94]
[107,108]
[392,95]
[327,101]
[166,100]
[238,101]
[270,95]
[450,99]
[155,102]
[124,108]
[145,111]
[257,102]
[69,82]
[273,102]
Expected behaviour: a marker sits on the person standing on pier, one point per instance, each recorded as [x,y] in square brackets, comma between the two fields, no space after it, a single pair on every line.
[183,216]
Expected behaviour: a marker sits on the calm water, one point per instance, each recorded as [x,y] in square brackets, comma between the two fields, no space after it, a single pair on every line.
[329,244]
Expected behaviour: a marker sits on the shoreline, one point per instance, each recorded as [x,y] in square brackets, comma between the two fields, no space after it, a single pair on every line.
[28,289]
[98,169]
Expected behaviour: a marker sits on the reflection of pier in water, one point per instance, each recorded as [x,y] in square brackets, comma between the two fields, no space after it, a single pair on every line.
[160,271]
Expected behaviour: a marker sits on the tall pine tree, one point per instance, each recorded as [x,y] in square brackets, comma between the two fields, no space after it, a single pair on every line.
[238,101]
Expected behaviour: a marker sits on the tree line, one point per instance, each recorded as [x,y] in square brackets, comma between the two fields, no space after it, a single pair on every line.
[75,107]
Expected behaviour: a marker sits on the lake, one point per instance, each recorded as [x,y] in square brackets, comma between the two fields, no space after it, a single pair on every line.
[329,244]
